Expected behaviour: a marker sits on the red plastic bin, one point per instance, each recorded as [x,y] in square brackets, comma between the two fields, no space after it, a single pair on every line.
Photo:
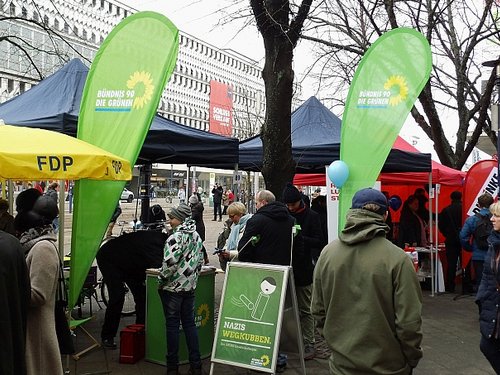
[132,343]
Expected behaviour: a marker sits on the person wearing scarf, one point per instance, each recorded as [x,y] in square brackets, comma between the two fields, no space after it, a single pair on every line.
[488,295]
[38,241]
[237,213]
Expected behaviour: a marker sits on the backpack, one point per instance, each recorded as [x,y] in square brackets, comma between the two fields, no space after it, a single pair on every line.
[482,231]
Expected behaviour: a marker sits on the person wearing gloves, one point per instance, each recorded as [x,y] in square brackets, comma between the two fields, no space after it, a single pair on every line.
[178,277]
[366,298]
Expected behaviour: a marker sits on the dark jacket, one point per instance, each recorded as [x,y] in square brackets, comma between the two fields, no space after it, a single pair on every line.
[450,223]
[15,285]
[132,253]
[313,242]
[272,225]
[197,215]
[409,229]
[488,296]
[217,192]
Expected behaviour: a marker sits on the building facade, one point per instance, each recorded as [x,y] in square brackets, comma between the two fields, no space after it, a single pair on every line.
[37,38]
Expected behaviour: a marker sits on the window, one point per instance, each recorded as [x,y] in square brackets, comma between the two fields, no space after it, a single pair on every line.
[56,24]
[92,37]
[46,20]
[75,30]
[66,27]
[24,13]
[110,8]
[84,34]
[12,9]
[22,87]
[35,16]
[102,4]
[10,85]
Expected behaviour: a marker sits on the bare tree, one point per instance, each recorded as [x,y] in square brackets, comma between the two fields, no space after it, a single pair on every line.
[459,32]
[31,50]
[280,28]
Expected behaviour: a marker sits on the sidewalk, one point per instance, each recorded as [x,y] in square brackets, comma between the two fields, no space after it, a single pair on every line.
[451,333]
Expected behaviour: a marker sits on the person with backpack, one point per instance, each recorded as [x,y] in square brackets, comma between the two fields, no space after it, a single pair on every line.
[475,233]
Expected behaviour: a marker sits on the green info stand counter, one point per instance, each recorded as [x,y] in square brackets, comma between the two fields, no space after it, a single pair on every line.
[156,341]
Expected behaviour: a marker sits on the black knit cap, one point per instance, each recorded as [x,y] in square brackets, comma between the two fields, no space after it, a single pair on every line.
[291,194]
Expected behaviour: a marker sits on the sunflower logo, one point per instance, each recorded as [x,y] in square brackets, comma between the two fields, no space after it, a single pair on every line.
[142,84]
[204,311]
[399,89]
[265,360]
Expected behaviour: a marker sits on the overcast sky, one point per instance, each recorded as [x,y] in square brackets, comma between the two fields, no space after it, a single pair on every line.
[200,19]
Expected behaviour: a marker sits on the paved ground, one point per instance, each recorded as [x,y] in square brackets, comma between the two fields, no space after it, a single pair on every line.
[450,323]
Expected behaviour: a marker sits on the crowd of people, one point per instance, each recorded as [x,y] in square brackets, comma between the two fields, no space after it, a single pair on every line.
[360,291]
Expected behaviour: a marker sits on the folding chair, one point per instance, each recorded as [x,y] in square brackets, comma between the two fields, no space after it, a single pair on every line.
[77,324]
[89,290]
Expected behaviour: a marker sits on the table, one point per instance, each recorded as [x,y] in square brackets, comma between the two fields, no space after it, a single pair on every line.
[431,266]
[156,341]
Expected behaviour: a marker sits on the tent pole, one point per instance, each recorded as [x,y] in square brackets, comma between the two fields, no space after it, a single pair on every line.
[62,204]
[236,183]
[186,188]
[146,171]
[433,283]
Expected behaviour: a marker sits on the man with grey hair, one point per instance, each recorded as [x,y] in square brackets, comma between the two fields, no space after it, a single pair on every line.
[271,230]
[366,297]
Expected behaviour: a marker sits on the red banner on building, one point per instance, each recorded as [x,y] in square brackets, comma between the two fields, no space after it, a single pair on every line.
[221,108]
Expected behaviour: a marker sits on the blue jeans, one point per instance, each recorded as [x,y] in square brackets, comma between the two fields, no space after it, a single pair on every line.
[179,307]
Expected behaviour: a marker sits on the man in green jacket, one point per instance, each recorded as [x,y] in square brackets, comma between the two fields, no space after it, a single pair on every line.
[366,298]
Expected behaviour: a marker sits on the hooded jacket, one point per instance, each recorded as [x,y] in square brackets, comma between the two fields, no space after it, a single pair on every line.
[271,226]
[182,259]
[367,300]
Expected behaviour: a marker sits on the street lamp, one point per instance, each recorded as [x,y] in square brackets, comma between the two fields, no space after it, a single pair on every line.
[495,104]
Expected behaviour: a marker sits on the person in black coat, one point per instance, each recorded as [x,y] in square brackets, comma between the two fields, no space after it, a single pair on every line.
[268,233]
[412,229]
[15,296]
[125,259]
[313,243]
[197,209]
[488,296]
[450,223]
[217,193]
[319,205]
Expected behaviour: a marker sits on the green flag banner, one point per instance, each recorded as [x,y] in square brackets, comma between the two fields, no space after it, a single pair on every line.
[388,80]
[120,98]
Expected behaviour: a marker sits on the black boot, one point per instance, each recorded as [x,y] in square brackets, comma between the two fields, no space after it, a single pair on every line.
[195,370]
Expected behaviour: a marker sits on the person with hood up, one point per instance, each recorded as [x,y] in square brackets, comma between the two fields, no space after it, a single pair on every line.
[366,297]
[178,278]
